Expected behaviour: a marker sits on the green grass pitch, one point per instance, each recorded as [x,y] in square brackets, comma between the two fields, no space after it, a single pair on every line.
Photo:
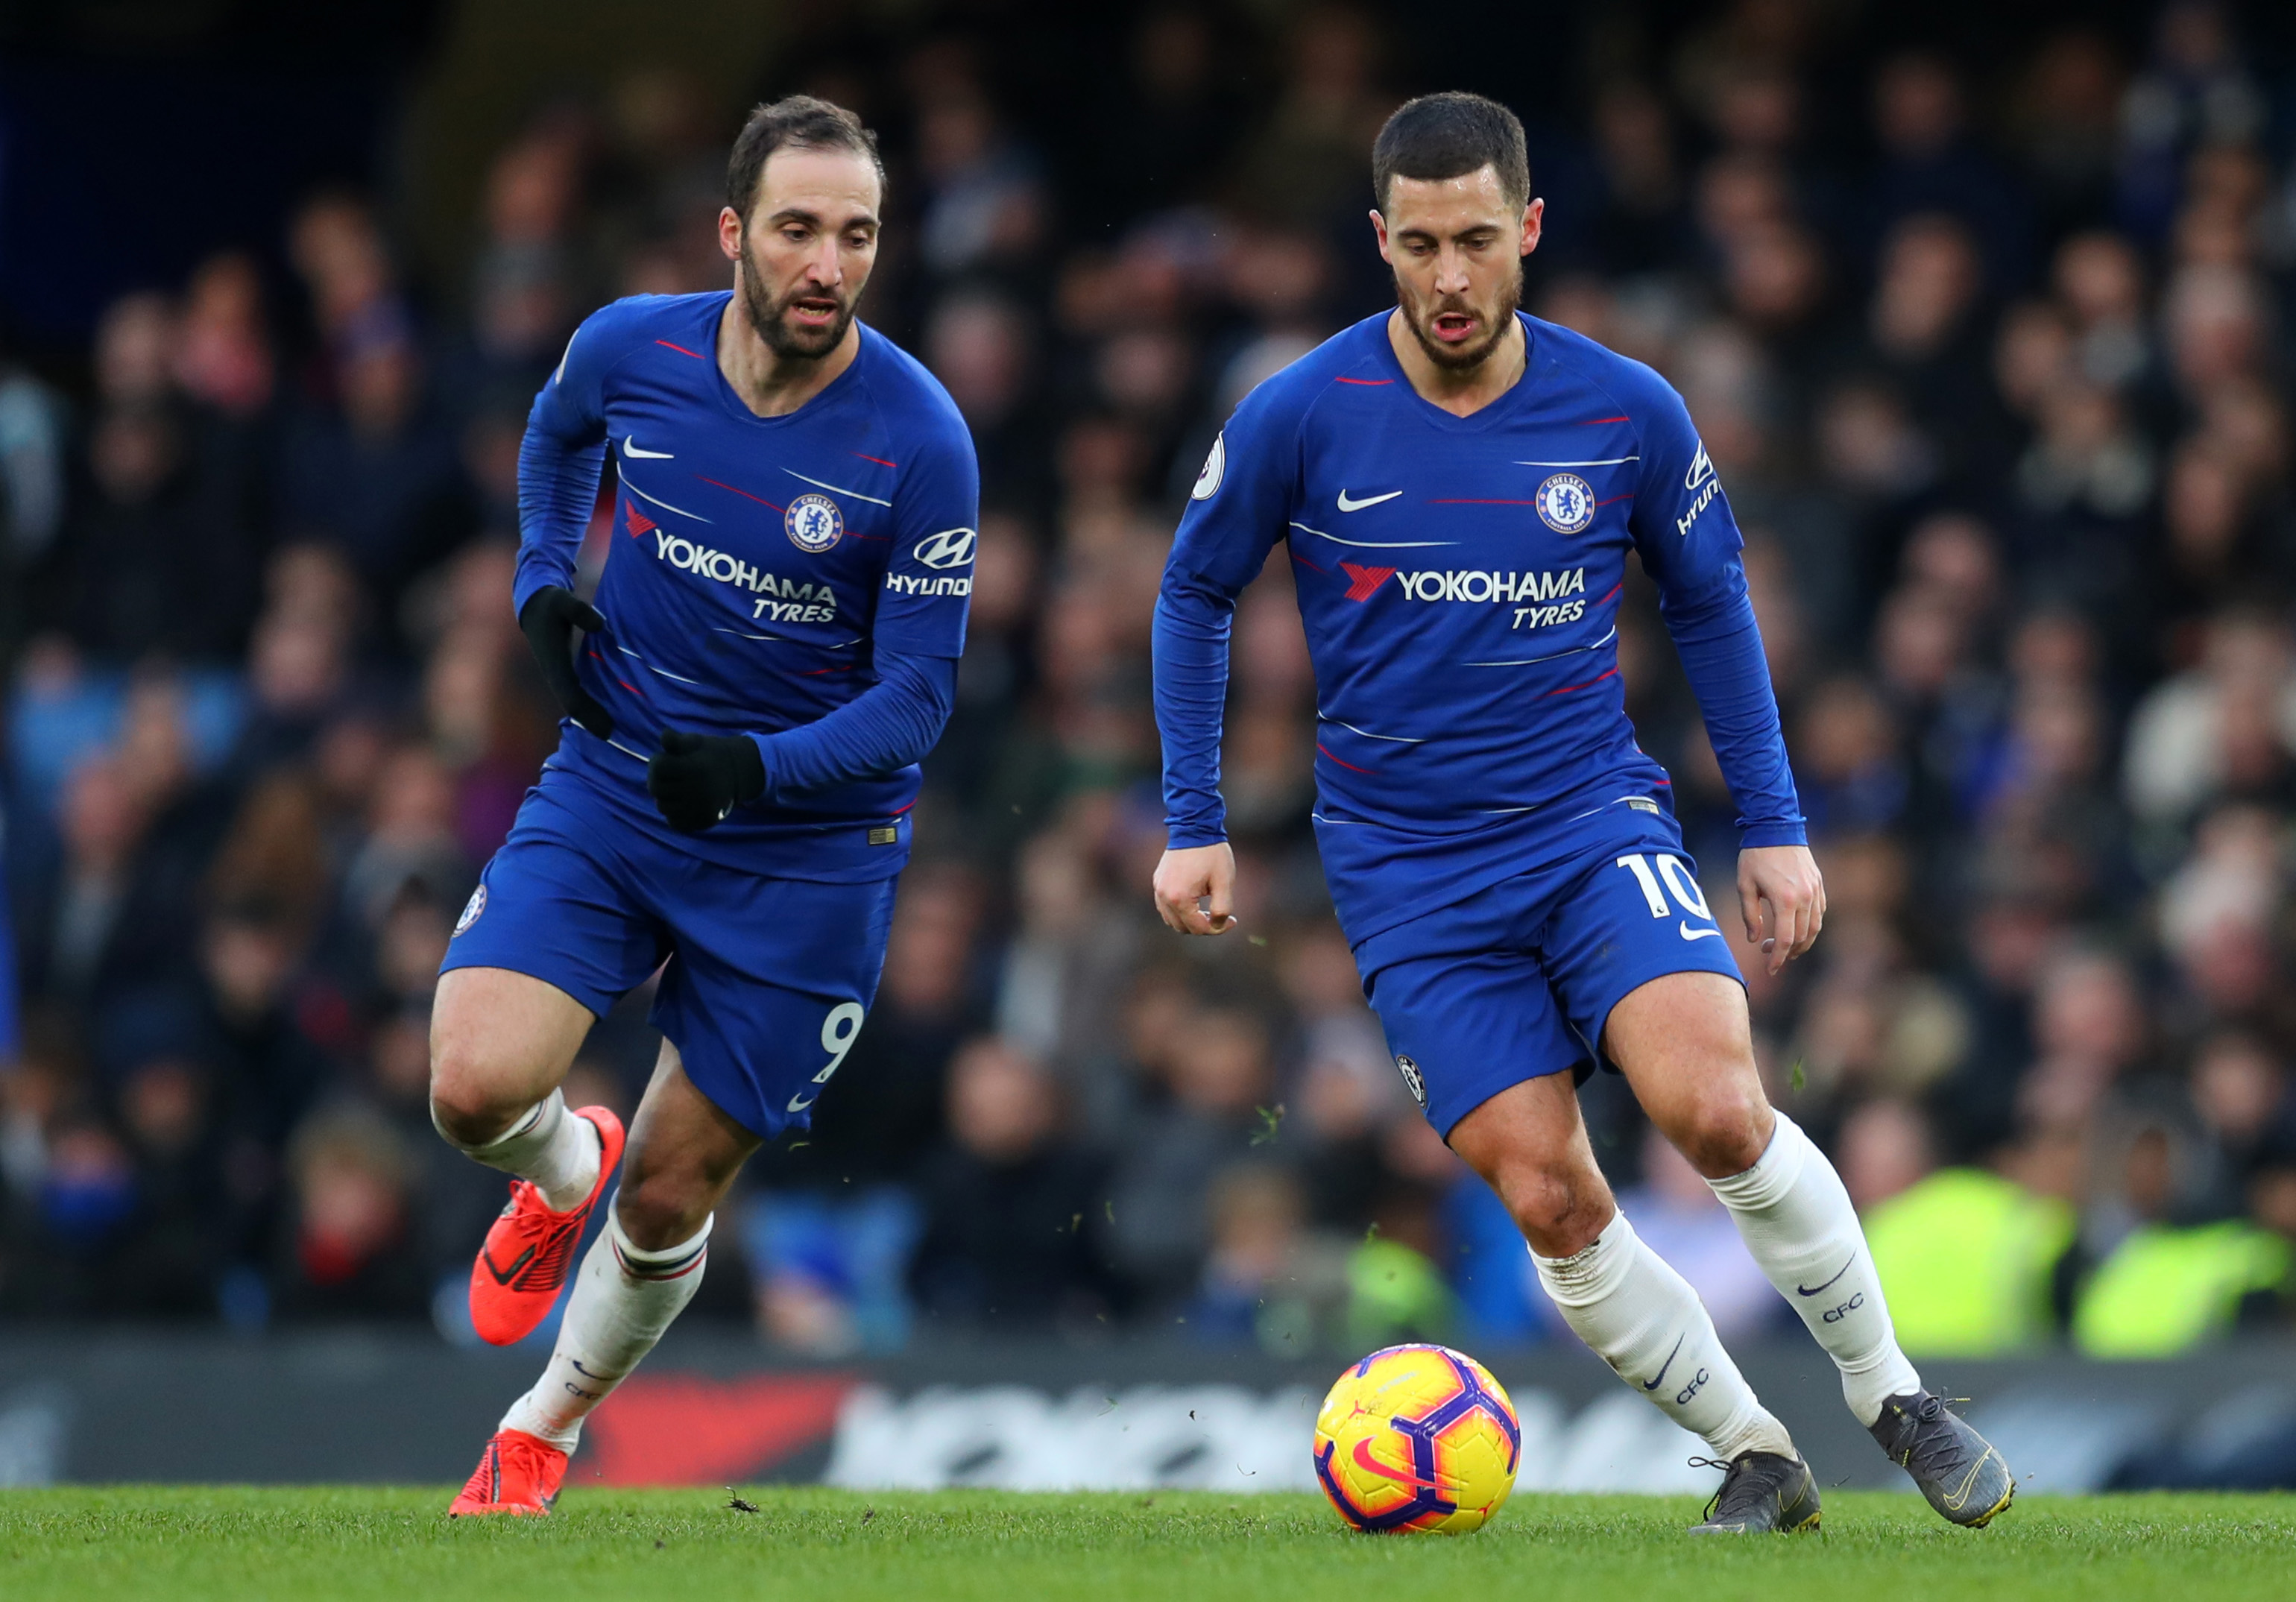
[239,1542]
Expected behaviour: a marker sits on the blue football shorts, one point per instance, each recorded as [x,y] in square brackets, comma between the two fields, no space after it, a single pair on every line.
[1518,979]
[764,981]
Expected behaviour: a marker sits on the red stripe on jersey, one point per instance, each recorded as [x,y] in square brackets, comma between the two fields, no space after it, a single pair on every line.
[1615,588]
[897,811]
[616,678]
[760,499]
[681,349]
[880,461]
[1598,678]
[1615,497]
[1350,766]
[1591,422]
[1462,501]
[1303,562]
[1368,384]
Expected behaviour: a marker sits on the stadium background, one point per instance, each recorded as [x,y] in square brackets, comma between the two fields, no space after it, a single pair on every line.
[1985,318]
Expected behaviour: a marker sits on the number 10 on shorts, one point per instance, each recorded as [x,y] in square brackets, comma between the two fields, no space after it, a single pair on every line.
[1677,879]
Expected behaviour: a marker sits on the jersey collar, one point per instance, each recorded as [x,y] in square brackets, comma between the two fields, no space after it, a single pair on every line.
[1491,415]
[836,389]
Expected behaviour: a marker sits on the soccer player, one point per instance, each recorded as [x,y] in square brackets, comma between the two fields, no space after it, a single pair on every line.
[1457,486]
[773,649]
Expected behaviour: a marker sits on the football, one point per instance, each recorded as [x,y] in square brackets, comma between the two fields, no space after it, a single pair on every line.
[1417,1438]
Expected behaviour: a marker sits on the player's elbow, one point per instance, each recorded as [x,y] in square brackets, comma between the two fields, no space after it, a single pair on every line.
[927,690]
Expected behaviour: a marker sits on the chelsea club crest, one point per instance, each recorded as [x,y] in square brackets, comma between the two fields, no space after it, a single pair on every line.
[813,523]
[471,908]
[1413,1080]
[1565,503]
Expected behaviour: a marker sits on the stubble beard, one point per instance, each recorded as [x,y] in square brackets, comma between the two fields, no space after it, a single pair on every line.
[1451,357]
[766,315]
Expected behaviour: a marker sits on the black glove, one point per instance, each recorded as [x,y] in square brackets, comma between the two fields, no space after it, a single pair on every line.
[548,620]
[697,779]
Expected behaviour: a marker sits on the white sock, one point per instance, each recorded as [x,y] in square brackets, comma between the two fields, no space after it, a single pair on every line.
[623,1299]
[1644,1319]
[1798,1222]
[557,1151]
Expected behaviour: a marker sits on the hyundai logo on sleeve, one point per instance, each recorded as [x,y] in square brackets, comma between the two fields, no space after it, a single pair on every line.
[951,547]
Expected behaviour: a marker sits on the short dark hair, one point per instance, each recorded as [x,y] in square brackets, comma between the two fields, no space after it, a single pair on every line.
[1449,135]
[794,121]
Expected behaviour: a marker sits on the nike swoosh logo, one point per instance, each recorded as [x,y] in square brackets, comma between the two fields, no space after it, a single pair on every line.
[1663,1368]
[630,449]
[1370,1465]
[1958,1497]
[1372,500]
[504,1275]
[1812,1290]
[799,1103]
[1689,934]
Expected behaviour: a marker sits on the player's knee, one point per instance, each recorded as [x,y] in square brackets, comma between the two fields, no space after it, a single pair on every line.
[1559,1211]
[465,1106]
[659,1209]
[1722,1128]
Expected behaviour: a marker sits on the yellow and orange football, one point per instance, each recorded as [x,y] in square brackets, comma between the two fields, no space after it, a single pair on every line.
[1417,1438]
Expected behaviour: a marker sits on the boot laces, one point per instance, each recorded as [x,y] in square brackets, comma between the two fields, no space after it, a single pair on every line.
[1929,1447]
[1743,1487]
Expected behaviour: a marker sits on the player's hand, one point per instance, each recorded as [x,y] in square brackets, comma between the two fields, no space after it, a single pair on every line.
[697,779]
[1204,874]
[1782,896]
[548,620]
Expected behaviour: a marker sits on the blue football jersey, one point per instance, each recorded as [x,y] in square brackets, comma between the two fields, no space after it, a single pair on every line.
[757,563]
[1460,580]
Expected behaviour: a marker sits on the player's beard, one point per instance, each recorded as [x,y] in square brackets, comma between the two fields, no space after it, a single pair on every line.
[767,315]
[1453,357]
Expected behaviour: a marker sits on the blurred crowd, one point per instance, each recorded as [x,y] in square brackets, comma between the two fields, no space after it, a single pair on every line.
[1993,366]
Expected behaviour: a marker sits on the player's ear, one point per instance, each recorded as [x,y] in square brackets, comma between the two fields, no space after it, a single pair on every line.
[1378,232]
[729,233]
[1534,216]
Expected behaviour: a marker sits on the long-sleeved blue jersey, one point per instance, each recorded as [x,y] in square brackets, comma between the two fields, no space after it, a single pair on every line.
[1460,581]
[802,579]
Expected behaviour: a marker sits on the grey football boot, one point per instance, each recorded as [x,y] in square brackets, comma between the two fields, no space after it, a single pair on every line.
[1761,1492]
[1965,1479]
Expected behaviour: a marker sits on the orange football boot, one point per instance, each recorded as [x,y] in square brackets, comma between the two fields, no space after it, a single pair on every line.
[517,1474]
[522,1267]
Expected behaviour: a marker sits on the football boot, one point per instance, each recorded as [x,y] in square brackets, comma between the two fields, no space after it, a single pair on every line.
[518,1474]
[1761,1492]
[529,1249]
[1965,1478]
